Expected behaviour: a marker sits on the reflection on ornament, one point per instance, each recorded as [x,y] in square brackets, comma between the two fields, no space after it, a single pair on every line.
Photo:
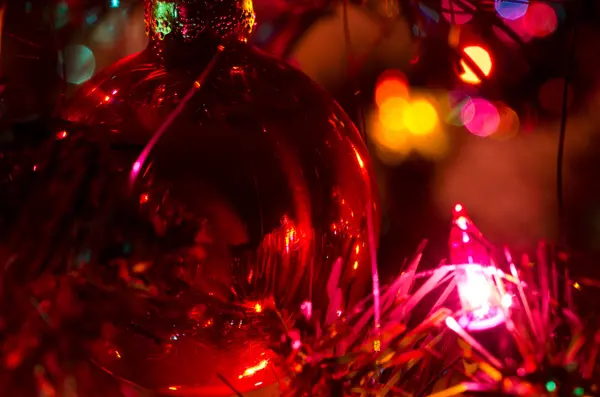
[233,185]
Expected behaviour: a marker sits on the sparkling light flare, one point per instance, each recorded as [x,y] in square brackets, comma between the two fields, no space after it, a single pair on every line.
[479,299]
[250,371]
[475,290]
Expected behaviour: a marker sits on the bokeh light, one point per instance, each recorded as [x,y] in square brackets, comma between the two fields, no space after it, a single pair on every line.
[518,27]
[511,9]
[509,122]
[391,113]
[455,13]
[480,117]
[456,101]
[61,15]
[480,57]
[402,123]
[77,62]
[391,84]
[420,117]
[540,20]
[389,140]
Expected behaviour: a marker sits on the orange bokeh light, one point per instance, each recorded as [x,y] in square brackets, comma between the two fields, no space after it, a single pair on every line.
[480,57]
[390,84]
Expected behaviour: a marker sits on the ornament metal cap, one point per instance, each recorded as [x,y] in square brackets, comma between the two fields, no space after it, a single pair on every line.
[190,20]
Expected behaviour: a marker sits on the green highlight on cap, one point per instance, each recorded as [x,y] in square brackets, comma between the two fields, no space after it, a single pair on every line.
[164,15]
[551,386]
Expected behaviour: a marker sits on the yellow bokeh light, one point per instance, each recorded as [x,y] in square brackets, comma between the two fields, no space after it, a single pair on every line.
[480,57]
[420,117]
[391,113]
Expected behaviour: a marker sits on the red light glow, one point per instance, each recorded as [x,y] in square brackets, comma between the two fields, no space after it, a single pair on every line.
[540,20]
[391,84]
[455,13]
[479,299]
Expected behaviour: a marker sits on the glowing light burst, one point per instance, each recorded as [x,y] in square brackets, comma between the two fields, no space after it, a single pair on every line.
[489,297]
[479,299]
[483,304]
[475,289]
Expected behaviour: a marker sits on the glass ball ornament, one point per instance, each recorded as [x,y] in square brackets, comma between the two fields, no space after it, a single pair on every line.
[232,183]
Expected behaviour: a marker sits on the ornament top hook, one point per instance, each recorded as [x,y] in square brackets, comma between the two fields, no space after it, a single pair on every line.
[189,20]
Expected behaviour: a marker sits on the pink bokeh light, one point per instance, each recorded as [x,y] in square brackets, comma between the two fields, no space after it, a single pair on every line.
[480,117]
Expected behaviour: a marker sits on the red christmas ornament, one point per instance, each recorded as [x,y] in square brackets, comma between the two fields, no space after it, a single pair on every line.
[237,182]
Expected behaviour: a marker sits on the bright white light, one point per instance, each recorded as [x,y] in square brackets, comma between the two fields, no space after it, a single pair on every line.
[475,290]
[506,301]
[477,294]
